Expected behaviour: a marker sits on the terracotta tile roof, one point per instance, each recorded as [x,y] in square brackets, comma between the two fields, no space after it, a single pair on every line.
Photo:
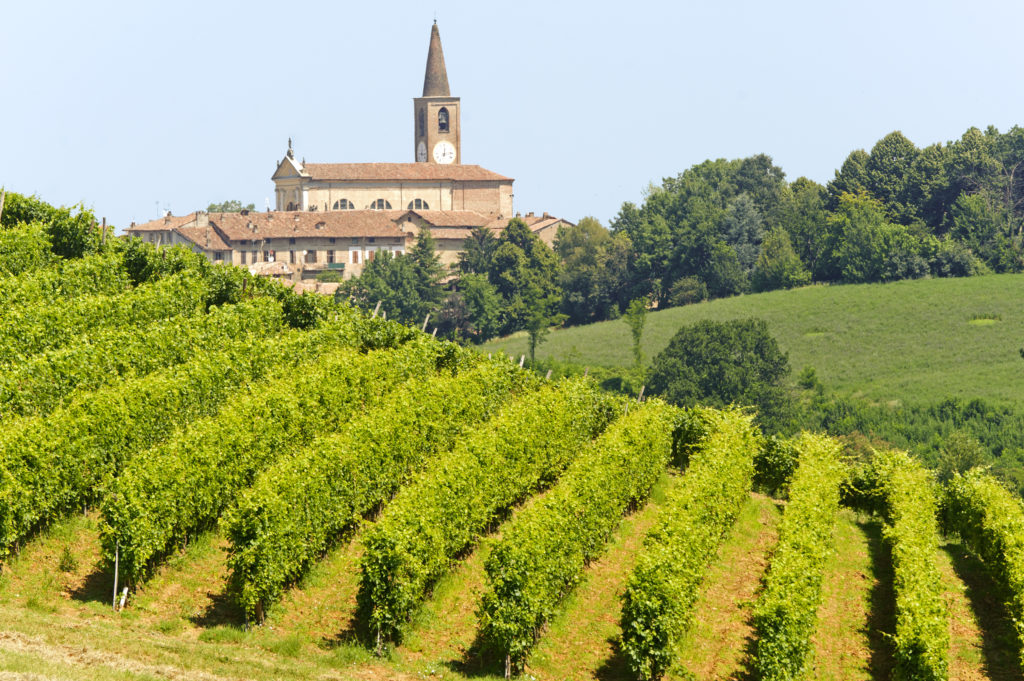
[205,237]
[451,218]
[401,171]
[276,225]
[162,224]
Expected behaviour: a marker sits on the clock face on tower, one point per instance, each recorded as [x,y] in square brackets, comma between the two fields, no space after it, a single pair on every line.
[444,152]
[421,152]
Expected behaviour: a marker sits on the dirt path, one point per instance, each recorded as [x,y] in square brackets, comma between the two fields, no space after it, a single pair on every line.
[856,606]
[983,641]
[720,640]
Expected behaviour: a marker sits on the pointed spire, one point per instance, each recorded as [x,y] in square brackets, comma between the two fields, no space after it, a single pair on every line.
[435,82]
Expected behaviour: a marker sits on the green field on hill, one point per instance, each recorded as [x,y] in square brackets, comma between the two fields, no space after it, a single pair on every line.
[908,341]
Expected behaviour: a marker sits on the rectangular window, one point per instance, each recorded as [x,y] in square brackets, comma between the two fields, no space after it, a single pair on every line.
[291,241]
[310,257]
[218,256]
[355,257]
[242,255]
[330,256]
[291,257]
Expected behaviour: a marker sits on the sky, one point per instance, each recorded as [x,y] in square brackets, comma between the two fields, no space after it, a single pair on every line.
[133,108]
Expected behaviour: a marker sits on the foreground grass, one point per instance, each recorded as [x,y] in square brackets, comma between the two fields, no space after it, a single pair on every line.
[908,341]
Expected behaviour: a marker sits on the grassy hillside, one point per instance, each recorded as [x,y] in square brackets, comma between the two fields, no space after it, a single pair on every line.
[907,341]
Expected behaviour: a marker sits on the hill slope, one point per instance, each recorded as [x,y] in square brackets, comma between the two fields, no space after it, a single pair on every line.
[905,341]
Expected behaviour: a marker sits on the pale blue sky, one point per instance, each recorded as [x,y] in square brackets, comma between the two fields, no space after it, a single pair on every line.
[128,106]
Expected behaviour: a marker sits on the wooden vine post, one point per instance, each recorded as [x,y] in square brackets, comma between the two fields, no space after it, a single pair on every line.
[3,198]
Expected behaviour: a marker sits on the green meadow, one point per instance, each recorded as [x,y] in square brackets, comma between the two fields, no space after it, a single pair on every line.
[903,342]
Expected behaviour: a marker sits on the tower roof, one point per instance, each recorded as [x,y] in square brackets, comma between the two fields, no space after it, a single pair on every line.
[435,82]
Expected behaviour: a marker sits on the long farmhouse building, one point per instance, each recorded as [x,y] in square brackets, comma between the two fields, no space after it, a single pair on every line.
[339,216]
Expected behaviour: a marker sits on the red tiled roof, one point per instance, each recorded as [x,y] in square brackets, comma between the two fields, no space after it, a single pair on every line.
[534,222]
[162,224]
[276,225]
[412,172]
[451,218]
[204,237]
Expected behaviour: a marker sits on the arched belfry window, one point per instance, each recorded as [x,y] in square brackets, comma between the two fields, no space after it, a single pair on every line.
[421,121]
[442,119]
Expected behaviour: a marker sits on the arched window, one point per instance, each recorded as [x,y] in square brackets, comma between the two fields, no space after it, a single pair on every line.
[380,204]
[292,206]
[421,121]
[418,204]
[344,204]
[442,120]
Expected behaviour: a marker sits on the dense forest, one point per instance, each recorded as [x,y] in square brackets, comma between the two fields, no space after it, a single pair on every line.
[726,227]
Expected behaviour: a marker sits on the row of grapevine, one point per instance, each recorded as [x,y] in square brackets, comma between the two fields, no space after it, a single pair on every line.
[661,591]
[48,380]
[908,495]
[31,329]
[24,248]
[443,511]
[299,507]
[169,493]
[990,521]
[546,546]
[54,464]
[787,609]
[97,274]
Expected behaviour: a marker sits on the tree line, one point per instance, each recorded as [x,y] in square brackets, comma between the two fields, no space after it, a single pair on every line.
[725,227]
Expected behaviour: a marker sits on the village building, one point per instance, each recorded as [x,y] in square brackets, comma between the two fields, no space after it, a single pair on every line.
[339,216]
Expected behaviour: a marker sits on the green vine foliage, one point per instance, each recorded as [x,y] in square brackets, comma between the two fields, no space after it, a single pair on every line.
[98,274]
[50,379]
[546,546]
[54,464]
[25,248]
[786,612]
[31,328]
[661,591]
[181,487]
[990,521]
[446,509]
[908,492]
[302,505]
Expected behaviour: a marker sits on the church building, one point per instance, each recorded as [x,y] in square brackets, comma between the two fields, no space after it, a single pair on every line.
[337,216]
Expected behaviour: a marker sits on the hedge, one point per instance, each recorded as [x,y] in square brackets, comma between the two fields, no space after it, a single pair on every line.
[302,505]
[179,488]
[24,248]
[544,549]
[661,591]
[908,495]
[445,509]
[786,611]
[990,521]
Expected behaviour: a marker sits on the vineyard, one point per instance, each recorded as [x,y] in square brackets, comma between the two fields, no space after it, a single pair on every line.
[204,475]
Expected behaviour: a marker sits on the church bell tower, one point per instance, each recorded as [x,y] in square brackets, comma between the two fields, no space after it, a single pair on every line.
[436,122]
